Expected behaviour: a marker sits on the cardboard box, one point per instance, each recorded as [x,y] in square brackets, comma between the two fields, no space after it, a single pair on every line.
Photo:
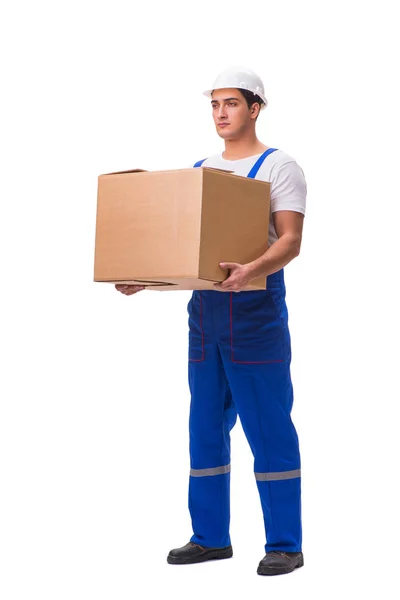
[170,230]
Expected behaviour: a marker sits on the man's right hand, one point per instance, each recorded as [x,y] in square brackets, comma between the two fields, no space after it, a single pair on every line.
[128,290]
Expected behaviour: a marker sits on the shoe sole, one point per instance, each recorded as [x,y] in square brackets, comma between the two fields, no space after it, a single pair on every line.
[279,571]
[214,555]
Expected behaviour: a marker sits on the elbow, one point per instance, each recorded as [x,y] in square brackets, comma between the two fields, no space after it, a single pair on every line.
[296,245]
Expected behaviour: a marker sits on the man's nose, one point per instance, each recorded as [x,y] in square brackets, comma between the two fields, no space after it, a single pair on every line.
[221,112]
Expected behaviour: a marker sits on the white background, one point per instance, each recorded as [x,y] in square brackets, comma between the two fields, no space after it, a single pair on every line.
[94,395]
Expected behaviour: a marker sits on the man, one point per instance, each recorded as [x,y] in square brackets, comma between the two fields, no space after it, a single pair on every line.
[239,352]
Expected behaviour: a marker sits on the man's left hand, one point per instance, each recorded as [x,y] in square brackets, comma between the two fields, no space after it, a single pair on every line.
[238,279]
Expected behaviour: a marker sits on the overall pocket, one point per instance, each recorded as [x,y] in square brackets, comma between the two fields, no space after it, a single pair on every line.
[259,331]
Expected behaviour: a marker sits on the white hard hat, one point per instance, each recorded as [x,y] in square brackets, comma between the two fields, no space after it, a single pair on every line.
[239,77]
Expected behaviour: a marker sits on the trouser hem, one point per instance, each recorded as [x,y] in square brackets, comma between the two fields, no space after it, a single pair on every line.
[209,543]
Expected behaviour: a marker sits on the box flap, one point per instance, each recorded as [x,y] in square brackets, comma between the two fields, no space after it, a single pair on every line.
[215,169]
[122,172]
[145,282]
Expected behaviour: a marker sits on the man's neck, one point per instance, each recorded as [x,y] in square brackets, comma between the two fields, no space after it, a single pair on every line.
[237,149]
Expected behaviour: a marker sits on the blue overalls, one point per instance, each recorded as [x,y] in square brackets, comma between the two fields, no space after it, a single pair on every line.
[239,364]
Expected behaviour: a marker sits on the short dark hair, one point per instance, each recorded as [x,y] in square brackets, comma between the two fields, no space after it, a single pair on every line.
[251,98]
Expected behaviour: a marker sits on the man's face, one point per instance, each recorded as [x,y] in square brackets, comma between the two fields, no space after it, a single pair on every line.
[230,112]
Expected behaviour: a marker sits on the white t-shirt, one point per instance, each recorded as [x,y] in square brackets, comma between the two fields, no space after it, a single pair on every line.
[288,184]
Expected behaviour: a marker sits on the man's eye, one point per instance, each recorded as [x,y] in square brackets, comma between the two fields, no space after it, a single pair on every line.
[232,104]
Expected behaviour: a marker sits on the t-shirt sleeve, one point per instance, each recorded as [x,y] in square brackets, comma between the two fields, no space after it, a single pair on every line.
[288,188]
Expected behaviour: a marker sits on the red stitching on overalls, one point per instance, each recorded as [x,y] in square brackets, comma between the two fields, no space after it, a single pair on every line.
[244,362]
[202,334]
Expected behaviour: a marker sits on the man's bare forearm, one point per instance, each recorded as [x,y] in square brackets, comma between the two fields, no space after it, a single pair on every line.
[278,255]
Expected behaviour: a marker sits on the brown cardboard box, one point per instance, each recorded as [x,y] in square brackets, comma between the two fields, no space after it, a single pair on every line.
[171,229]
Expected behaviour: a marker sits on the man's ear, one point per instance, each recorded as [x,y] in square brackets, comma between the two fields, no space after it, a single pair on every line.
[255,109]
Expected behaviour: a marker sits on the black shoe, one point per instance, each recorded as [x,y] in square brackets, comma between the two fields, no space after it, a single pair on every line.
[279,563]
[193,553]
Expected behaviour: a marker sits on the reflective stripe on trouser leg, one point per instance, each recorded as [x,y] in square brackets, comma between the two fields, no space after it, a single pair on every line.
[210,472]
[212,416]
[278,476]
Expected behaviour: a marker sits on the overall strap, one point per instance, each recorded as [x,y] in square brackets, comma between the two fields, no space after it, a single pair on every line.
[253,172]
[199,163]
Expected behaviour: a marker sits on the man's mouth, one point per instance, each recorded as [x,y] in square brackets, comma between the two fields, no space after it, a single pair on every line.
[223,124]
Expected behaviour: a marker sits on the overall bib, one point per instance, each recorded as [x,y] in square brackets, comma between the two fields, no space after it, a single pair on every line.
[239,364]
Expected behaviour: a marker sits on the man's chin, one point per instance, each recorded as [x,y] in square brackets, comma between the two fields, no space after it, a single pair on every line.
[225,135]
